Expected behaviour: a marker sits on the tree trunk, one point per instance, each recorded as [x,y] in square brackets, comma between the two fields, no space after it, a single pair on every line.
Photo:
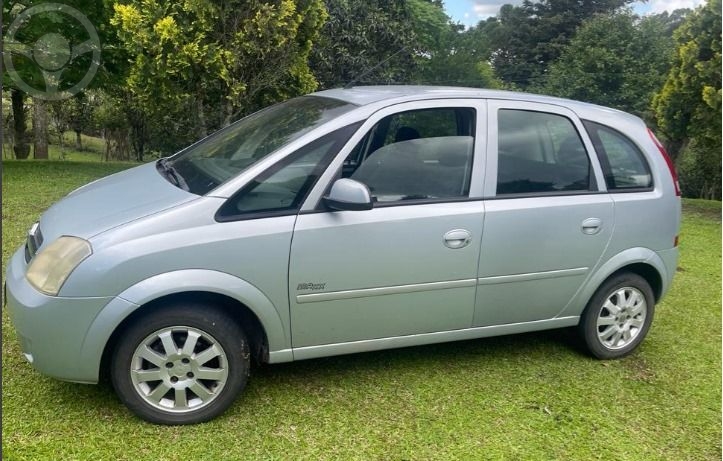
[21,147]
[675,147]
[78,141]
[106,151]
[201,117]
[227,111]
[138,135]
[40,129]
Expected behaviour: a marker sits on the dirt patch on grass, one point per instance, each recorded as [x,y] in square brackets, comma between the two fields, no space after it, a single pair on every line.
[709,209]
[639,370]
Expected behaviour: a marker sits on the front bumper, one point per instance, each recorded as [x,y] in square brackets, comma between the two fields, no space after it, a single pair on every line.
[52,329]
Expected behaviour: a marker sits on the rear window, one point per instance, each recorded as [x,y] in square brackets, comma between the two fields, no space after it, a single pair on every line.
[623,163]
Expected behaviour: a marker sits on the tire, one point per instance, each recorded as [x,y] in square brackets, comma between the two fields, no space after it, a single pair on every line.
[180,364]
[618,316]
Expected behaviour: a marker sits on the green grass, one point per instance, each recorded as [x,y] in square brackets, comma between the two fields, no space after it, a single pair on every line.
[533,396]
[89,143]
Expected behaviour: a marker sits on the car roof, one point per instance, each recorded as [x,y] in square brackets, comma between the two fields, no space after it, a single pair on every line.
[394,94]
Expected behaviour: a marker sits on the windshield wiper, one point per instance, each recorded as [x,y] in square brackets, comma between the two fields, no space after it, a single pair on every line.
[172,174]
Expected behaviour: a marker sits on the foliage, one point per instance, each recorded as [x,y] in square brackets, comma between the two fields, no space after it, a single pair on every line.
[525,39]
[699,167]
[446,55]
[39,26]
[431,25]
[360,34]
[78,113]
[616,60]
[383,42]
[202,63]
[530,396]
[688,107]
[173,71]
[114,126]
[29,38]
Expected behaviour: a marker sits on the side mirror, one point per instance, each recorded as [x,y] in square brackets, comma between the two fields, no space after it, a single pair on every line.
[347,194]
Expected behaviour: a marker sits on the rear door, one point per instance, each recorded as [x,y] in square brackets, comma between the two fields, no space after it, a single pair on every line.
[548,217]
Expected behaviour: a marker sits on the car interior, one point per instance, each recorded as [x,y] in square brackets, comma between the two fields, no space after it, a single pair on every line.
[416,155]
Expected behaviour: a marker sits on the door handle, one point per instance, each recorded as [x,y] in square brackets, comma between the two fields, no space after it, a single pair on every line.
[591,226]
[457,238]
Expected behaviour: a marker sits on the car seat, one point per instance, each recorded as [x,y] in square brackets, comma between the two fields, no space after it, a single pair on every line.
[406,133]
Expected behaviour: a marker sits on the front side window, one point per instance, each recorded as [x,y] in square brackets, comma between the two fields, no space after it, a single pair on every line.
[623,163]
[416,155]
[226,153]
[540,152]
[282,188]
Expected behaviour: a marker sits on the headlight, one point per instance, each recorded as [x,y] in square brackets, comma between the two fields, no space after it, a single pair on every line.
[50,267]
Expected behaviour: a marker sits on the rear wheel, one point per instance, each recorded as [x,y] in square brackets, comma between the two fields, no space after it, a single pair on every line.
[180,365]
[618,316]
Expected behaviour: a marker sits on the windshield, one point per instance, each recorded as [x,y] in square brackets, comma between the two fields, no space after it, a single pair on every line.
[226,153]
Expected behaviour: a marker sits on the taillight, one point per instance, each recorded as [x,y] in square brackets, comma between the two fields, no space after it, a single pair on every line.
[665,155]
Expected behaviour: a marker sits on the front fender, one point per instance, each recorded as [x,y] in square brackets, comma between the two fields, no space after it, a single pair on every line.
[617,262]
[181,281]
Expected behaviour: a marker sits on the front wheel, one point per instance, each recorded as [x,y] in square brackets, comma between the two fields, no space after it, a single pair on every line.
[618,316]
[180,365]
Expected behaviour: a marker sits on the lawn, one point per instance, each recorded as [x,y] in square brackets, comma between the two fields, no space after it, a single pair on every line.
[533,396]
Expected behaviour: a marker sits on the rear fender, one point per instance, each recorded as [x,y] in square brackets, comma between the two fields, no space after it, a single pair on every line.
[614,264]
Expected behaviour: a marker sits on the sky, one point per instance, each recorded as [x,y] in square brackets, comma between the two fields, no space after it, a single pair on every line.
[470,12]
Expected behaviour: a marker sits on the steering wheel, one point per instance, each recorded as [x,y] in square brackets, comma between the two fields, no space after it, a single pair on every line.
[51,52]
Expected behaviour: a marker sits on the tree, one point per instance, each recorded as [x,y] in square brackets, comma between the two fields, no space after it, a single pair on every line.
[209,61]
[360,34]
[113,125]
[53,33]
[615,60]
[40,129]
[78,114]
[21,147]
[688,107]
[525,39]
[24,68]
[445,54]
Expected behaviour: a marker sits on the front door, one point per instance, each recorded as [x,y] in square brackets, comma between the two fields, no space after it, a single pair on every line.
[408,265]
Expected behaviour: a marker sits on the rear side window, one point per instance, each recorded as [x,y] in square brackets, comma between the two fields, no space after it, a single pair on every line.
[623,163]
[540,153]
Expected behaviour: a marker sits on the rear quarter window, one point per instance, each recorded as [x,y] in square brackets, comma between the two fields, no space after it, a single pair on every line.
[623,163]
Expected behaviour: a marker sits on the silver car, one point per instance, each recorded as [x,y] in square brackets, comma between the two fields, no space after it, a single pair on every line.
[346,221]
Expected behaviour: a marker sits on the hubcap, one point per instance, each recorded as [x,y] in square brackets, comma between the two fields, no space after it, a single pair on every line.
[621,318]
[179,369]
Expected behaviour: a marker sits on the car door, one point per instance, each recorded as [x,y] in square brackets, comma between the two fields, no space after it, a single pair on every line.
[408,265]
[547,216]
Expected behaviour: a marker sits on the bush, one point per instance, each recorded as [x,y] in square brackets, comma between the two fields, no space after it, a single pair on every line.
[699,167]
